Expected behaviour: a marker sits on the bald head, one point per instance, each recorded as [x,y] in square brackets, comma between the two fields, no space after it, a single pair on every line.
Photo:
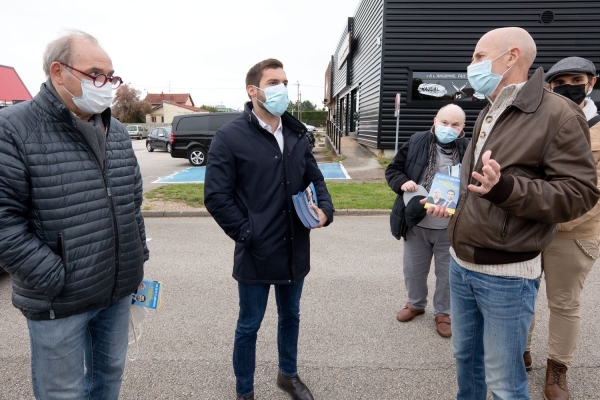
[512,51]
[451,115]
[503,39]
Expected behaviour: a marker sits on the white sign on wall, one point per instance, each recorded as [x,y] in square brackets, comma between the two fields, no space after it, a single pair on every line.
[344,50]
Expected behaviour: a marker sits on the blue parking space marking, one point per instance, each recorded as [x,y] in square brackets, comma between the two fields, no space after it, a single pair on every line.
[196,174]
[334,171]
[189,175]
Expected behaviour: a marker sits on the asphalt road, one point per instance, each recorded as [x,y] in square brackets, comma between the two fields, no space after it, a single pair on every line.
[157,164]
[351,346]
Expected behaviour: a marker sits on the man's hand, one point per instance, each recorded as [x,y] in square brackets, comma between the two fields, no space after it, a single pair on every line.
[322,216]
[490,177]
[436,211]
[409,186]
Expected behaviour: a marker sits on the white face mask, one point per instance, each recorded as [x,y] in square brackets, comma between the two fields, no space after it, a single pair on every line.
[93,100]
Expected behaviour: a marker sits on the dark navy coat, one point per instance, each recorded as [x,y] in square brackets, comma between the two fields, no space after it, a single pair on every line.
[248,190]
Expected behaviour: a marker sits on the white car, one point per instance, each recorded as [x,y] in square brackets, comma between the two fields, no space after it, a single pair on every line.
[137,131]
[310,128]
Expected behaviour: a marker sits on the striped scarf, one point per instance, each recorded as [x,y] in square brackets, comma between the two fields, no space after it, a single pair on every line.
[431,169]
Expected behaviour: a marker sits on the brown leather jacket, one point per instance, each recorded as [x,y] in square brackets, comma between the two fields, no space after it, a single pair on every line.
[542,144]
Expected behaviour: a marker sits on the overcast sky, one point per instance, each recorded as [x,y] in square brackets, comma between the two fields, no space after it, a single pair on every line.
[200,47]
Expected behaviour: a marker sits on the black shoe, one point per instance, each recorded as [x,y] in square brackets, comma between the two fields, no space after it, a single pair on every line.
[249,397]
[294,386]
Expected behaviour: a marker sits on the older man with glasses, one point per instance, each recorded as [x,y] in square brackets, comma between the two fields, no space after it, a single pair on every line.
[72,235]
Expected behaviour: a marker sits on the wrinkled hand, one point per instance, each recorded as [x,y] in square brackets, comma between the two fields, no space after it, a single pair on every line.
[409,186]
[322,216]
[490,177]
[436,211]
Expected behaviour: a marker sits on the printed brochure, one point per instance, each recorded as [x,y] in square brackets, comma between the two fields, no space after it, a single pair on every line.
[445,190]
[302,202]
[148,294]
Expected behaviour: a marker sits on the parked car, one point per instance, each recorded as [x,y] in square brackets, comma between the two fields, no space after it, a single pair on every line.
[310,128]
[159,138]
[137,131]
[192,134]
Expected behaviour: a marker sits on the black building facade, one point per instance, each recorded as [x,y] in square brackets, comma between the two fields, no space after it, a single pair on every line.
[421,49]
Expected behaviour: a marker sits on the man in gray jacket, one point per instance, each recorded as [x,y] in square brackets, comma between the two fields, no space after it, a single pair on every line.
[71,231]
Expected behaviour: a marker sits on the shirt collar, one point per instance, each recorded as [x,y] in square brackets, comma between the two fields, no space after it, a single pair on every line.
[266,126]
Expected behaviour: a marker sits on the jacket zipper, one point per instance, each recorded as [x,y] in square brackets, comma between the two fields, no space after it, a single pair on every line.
[462,202]
[52,315]
[115,231]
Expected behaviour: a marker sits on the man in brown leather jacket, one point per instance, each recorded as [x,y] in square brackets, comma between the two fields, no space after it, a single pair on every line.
[528,168]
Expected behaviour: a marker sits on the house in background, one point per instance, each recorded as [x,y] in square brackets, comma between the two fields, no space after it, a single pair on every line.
[12,88]
[167,110]
[156,99]
[222,108]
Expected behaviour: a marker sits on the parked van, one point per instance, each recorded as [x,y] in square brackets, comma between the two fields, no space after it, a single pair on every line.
[193,133]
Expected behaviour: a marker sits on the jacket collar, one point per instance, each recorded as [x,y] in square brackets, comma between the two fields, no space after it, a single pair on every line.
[287,120]
[51,102]
[530,96]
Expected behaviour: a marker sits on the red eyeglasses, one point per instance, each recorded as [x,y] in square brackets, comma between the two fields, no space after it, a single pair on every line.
[100,79]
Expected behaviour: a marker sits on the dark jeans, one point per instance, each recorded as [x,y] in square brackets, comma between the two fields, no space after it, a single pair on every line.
[253,303]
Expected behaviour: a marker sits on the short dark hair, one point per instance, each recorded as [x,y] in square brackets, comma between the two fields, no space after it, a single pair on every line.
[255,73]
[453,192]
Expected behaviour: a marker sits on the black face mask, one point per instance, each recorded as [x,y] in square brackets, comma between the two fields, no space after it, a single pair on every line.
[575,93]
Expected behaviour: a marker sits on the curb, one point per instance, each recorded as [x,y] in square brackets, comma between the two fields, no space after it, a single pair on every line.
[202,212]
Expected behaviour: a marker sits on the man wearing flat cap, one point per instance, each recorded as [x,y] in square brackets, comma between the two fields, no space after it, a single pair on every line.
[570,256]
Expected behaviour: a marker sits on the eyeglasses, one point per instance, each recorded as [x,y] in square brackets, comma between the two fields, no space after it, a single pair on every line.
[100,79]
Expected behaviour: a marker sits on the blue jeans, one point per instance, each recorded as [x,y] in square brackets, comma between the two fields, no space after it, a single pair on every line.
[491,316]
[60,349]
[253,303]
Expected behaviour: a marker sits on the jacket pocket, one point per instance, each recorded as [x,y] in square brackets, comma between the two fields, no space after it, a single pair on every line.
[397,218]
[254,225]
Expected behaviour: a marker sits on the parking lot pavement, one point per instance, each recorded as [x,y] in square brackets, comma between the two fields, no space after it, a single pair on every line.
[351,346]
[157,164]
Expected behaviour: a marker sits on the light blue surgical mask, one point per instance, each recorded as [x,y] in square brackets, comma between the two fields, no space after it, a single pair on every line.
[481,77]
[445,134]
[277,99]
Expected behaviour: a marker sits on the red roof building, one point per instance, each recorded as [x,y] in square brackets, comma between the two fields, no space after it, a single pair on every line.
[156,99]
[12,88]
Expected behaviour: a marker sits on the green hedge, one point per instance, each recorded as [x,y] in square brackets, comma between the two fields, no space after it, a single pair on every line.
[315,118]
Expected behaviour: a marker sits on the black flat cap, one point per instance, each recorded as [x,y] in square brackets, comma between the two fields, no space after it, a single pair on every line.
[571,66]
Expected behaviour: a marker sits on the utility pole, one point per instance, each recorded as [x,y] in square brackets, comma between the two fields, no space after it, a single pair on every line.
[298,101]
[300,107]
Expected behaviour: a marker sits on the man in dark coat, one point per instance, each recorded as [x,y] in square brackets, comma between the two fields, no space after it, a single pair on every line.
[255,164]
[72,235]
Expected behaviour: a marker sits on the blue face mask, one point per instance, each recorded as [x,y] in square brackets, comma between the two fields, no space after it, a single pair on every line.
[445,134]
[277,99]
[481,77]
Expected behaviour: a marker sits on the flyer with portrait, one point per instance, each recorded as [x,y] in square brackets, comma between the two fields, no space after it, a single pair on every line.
[445,190]
[148,294]
[303,202]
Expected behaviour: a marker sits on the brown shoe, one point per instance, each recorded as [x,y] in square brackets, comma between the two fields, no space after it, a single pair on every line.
[528,361]
[556,381]
[443,325]
[408,313]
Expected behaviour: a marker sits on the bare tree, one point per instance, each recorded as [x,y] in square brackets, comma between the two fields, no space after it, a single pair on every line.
[128,107]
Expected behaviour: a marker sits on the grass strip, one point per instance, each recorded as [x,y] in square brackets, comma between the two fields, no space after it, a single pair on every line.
[360,196]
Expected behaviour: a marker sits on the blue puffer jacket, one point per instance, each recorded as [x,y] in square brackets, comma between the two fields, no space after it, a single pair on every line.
[71,233]
[248,190]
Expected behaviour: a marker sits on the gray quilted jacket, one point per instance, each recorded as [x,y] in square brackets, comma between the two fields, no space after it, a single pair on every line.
[72,234]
